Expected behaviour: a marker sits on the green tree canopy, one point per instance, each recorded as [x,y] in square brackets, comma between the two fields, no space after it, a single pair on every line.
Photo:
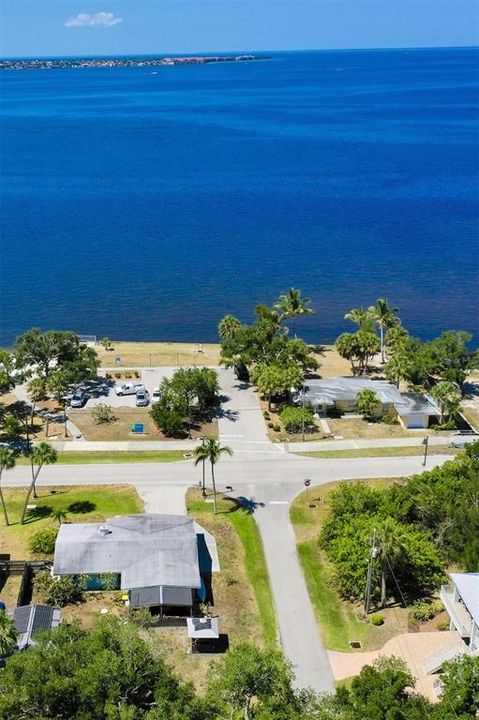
[359,348]
[367,403]
[41,353]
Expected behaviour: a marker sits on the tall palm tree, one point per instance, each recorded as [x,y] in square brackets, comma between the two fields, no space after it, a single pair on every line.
[7,462]
[8,634]
[292,305]
[385,317]
[42,454]
[397,368]
[390,542]
[212,451]
[36,388]
[361,317]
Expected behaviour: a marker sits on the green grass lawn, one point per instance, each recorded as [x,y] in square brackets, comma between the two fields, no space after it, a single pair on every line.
[253,560]
[339,621]
[120,456]
[82,504]
[381,452]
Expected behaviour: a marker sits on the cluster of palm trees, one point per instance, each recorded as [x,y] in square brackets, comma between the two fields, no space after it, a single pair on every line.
[41,455]
[380,315]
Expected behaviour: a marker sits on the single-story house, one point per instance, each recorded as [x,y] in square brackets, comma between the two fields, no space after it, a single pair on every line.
[28,619]
[156,559]
[411,409]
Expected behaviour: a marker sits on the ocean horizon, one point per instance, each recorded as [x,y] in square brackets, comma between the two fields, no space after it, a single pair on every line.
[145,204]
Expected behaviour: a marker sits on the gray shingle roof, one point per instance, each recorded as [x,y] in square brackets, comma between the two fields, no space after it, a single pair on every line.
[146,549]
[416,403]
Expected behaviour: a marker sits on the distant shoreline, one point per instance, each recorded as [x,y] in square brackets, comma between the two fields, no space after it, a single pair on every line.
[112,62]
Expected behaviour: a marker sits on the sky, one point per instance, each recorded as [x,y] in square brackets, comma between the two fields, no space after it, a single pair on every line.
[111,27]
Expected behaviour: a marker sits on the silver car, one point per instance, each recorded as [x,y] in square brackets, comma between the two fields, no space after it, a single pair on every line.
[78,398]
[142,398]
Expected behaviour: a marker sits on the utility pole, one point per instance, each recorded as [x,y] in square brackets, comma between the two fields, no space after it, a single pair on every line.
[302,416]
[425,442]
[373,555]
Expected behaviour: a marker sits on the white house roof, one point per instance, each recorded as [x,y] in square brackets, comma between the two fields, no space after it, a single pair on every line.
[331,390]
[147,550]
[203,628]
[467,585]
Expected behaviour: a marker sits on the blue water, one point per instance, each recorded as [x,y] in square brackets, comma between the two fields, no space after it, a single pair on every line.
[146,206]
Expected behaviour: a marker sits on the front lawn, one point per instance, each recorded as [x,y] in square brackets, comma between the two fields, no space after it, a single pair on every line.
[339,621]
[381,452]
[118,456]
[242,590]
[89,503]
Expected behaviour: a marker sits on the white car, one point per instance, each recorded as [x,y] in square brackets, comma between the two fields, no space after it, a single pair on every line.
[156,395]
[128,388]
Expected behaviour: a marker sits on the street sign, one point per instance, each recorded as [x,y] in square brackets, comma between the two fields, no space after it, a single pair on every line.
[138,428]
[118,360]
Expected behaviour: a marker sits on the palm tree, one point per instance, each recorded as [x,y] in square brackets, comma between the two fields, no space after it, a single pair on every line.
[42,454]
[385,317]
[228,326]
[397,368]
[361,317]
[36,388]
[8,634]
[59,515]
[447,396]
[7,462]
[390,542]
[211,450]
[292,305]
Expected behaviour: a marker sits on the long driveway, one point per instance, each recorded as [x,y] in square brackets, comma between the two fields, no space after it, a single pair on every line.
[272,480]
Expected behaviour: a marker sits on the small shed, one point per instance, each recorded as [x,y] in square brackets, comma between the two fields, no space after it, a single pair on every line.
[204,632]
[28,619]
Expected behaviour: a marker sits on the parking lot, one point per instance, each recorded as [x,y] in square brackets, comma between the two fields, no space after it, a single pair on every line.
[102,391]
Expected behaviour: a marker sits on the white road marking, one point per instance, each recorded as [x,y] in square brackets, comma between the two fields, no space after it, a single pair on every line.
[278,502]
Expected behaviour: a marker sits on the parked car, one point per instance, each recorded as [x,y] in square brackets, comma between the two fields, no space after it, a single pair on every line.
[78,398]
[463,441]
[128,388]
[156,395]
[142,398]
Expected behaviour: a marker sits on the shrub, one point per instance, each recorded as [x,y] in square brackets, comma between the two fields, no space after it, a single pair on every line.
[57,591]
[271,424]
[141,616]
[423,611]
[277,428]
[170,422]
[448,425]
[43,541]
[389,420]
[266,415]
[377,619]
[292,419]
[108,376]
[109,580]
[443,625]
[128,375]
[118,375]
[136,374]
[103,414]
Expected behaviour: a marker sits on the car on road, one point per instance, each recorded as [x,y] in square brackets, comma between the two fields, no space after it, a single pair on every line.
[156,395]
[142,398]
[128,388]
[78,398]
[463,441]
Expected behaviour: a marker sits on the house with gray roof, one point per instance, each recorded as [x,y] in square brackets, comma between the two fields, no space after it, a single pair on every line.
[156,559]
[412,409]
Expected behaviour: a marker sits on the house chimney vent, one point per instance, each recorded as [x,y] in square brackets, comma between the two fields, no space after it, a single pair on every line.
[104,530]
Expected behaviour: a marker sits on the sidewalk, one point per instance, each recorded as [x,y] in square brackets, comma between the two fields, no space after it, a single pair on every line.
[358,444]
[122,445]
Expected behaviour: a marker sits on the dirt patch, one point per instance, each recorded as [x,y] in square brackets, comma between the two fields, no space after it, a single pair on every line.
[10,590]
[358,428]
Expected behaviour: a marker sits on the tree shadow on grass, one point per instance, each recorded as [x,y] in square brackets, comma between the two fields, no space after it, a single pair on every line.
[81,506]
[38,513]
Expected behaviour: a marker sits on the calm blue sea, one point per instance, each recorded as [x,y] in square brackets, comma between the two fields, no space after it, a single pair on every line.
[146,205]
